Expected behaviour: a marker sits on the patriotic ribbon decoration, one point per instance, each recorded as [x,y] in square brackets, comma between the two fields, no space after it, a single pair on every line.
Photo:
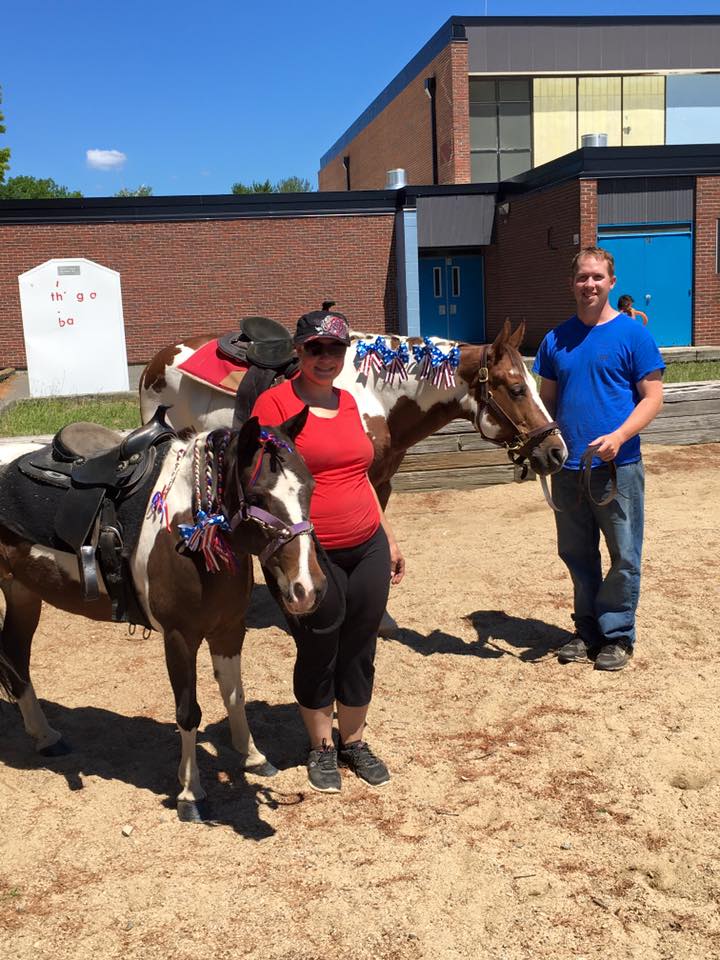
[379,356]
[437,367]
[267,436]
[208,534]
[369,356]
[205,535]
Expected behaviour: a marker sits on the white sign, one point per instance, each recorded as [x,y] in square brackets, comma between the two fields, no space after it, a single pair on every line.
[73,327]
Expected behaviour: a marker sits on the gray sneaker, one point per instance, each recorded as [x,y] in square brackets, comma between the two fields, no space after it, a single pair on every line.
[577,649]
[613,656]
[322,769]
[362,761]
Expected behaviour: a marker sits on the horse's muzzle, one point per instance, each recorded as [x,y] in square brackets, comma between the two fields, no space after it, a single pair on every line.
[548,456]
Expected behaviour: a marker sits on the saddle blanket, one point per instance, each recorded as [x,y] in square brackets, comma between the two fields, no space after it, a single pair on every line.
[28,507]
[209,366]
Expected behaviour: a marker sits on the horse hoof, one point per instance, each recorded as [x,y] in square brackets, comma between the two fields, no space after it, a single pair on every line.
[388,629]
[265,769]
[192,811]
[61,748]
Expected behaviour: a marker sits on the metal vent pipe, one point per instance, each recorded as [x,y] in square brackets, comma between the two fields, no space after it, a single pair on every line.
[394,179]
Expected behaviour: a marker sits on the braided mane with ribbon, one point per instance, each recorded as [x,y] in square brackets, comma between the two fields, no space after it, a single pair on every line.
[209,533]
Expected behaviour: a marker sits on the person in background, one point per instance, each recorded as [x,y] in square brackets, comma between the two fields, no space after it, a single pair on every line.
[602,382]
[625,305]
[334,667]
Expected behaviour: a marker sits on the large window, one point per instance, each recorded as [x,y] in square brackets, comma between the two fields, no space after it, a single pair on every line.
[500,129]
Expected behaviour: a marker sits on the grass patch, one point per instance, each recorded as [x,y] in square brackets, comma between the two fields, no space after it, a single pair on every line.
[692,371]
[30,418]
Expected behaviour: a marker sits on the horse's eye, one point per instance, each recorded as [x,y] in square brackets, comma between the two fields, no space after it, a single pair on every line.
[518,390]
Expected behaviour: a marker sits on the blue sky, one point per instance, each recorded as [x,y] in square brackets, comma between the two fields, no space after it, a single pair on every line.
[198,96]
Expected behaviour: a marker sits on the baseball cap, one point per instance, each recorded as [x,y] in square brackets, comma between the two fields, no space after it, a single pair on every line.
[322,323]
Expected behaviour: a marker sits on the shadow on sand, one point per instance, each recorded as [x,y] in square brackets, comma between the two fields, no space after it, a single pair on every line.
[145,753]
[263,611]
[529,639]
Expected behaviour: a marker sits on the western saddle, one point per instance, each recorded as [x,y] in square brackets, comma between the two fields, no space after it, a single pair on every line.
[100,469]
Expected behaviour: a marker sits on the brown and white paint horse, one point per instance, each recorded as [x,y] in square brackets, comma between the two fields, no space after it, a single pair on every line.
[395,414]
[267,493]
[493,390]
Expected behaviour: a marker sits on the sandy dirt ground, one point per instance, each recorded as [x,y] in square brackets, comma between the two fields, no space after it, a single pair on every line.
[535,811]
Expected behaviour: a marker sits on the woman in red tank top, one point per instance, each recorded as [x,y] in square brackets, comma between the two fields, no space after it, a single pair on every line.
[334,668]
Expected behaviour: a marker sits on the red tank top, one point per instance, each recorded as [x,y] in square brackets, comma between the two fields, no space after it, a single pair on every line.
[338,453]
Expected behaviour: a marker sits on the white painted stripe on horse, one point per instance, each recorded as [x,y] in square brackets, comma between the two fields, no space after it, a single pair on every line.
[188,772]
[35,720]
[287,491]
[179,498]
[228,673]
[535,393]
[66,563]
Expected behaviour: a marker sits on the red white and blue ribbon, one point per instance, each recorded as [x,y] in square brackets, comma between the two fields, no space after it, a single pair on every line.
[208,534]
[437,367]
[379,356]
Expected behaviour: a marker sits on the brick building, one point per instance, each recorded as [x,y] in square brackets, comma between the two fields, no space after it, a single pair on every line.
[501,102]
[508,102]
[189,265]
[488,98]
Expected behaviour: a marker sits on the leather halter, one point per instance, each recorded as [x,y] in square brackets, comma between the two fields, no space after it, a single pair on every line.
[524,441]
[278,532]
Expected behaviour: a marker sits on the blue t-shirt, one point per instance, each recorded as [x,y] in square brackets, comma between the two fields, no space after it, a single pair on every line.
[596,369]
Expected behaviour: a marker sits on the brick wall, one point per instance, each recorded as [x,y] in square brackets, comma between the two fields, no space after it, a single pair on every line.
[527,268]
[401,135]
[706,327]
[180,279]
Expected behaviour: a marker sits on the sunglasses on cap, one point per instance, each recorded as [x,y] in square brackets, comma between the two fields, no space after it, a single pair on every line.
[316,348]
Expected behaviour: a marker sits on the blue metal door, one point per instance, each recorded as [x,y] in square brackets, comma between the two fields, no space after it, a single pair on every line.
[451,298]
[655,268]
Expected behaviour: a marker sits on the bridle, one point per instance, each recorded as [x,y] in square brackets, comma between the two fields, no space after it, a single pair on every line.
[278,532]
[524,441]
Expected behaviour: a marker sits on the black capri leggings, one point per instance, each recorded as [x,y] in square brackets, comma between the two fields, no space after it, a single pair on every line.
[338,663]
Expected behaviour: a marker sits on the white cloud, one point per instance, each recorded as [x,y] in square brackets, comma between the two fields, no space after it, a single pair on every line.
[105,159]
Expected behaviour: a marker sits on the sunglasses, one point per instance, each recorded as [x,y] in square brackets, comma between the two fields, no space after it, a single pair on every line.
[316,349]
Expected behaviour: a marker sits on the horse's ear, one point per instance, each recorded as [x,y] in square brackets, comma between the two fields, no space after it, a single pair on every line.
[516,338]
[294,425]
[248,435]
[502,338]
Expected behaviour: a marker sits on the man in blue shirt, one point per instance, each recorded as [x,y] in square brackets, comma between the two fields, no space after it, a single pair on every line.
[602,382]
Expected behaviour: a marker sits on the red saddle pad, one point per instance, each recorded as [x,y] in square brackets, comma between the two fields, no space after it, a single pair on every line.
[209,366]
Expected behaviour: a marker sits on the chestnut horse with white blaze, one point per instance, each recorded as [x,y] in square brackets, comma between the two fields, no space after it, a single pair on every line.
[491,387]
[260,497]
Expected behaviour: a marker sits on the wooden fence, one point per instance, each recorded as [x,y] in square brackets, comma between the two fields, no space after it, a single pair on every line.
[457,457]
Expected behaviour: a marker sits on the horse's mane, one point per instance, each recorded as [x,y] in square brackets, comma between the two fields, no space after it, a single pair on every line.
[356,336]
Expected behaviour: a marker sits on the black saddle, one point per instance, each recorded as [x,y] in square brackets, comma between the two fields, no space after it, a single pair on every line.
[261,342]
[96,472]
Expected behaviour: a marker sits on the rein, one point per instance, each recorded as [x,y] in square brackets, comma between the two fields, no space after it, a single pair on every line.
[209,531]
[524,441]
[584,479]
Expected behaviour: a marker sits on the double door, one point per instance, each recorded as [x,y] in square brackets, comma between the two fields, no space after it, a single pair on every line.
[452,297]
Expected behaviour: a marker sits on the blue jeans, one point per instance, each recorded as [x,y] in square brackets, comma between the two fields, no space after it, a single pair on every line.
[604,608]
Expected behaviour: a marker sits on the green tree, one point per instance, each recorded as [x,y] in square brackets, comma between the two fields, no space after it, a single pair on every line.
[142,191]
[4,151]
[287,185]
[31,188]
[257,186]
[293,185]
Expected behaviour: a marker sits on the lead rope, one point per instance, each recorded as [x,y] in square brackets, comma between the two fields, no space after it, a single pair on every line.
[584,479]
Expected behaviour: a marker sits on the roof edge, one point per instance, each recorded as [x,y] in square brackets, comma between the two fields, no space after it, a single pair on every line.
[452,29]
